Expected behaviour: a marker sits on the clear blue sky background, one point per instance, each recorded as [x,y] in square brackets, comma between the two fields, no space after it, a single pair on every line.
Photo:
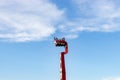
[91,27]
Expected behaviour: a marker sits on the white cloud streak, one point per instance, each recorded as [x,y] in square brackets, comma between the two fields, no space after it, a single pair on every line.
[111,78]
[94,16]
[31,20]
[28,20]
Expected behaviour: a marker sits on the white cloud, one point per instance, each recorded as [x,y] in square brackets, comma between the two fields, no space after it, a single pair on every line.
[31,20]
[28,20]
[96,16]
[71,36]
[111,78]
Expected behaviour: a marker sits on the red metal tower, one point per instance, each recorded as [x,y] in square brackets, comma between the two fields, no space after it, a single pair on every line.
[59,43]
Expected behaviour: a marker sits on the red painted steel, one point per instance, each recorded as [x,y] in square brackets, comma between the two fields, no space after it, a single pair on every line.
[62,42]
[62,64]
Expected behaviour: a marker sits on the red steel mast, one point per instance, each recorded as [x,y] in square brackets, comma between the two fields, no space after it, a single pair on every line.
[59,43]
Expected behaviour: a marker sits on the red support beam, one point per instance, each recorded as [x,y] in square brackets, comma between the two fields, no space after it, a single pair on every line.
[62,42]
[62,67]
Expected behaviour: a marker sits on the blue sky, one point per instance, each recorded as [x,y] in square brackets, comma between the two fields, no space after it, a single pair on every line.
[91,27]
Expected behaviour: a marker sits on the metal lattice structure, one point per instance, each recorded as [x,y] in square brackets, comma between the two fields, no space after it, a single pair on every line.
[60,43]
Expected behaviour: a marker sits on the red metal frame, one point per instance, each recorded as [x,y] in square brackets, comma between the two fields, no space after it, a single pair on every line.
[62,42]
